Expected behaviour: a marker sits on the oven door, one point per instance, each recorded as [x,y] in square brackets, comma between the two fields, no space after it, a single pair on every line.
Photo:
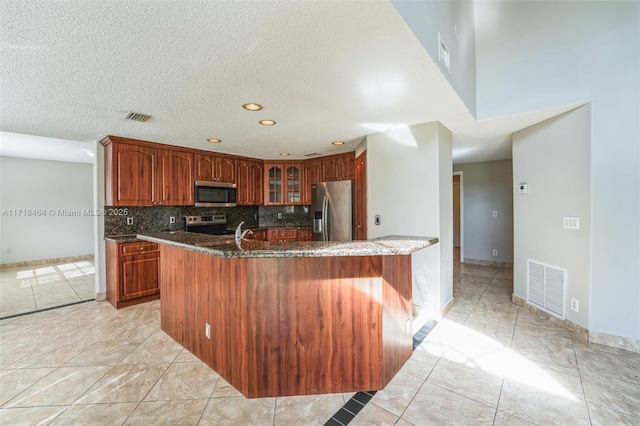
[214,194]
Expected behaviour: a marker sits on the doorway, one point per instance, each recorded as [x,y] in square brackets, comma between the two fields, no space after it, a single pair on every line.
[458,223]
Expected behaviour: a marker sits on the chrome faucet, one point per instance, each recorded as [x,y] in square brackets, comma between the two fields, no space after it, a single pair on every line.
[240,233]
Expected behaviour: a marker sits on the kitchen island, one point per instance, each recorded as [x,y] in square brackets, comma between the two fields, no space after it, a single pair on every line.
[276,319]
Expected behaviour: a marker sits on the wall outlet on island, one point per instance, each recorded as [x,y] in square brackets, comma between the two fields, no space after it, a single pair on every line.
[207,331]
[495,252]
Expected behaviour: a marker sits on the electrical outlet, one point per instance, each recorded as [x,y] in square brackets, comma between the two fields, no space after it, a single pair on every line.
[280,216]
[172,219]
[495,213]
[407,326]
[129,221]
[207,331]
[575,305]
[495,252]
[255,216]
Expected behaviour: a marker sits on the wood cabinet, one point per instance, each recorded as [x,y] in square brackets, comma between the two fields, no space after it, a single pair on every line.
[312,174]
[259,235]
[133,273]
[250,178]
[338,168]
[305,235]
[283,182]
[143,175]
[215,168]
[282,235]
[361,196]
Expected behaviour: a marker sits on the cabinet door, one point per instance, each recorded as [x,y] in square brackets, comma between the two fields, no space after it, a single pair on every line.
[274,175]
[347,167]
[361,196]
[330,170]
[139,276]
[293,180]
[312,174]
[133,172]
[304,235]
[226,170]
[205,167]
[256,184]
[175,178]
[244,183]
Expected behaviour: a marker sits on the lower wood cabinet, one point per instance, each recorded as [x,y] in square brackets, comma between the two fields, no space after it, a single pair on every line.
[304,235]
[282,235]
[260,235]
[133,272]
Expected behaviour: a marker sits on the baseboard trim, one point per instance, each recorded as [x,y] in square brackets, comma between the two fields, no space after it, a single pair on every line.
[101,296]
[614,341]
[488,263]
[446,308]
[42,262]
[587,335]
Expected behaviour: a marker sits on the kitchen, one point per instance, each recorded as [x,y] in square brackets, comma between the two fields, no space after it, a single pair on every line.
[144,266]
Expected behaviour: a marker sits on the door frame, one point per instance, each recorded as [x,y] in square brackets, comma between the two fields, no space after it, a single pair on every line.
[461,174]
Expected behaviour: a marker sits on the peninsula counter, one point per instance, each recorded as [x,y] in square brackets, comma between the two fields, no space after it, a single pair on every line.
[276,319]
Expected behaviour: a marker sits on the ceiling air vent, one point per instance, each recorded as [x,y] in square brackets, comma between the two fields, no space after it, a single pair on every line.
[313,154]
[547,287]
[136,116]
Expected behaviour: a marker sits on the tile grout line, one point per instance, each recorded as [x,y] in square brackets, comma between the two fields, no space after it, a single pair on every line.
[513,335]
[584,394]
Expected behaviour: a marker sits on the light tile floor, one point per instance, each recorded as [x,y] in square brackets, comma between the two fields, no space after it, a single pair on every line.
[28,289]
[488,362]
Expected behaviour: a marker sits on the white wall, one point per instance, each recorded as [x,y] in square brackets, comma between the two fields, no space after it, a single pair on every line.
[405,187]
[487,187]
[43,184]
[536,55]
[553,159]
[455,21]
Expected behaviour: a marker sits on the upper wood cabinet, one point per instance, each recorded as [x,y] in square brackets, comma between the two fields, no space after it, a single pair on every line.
[339,168]
[312,174]
[361,196]
[215,168]
[283,183]
[175,178]
[250,185]
[139,175]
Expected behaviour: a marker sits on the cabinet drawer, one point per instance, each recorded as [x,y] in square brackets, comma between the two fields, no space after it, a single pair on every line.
[129,249]
[257,235]
[304,235]
[282,235]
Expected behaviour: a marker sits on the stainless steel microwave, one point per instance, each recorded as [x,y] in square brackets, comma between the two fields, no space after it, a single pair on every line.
[214,194]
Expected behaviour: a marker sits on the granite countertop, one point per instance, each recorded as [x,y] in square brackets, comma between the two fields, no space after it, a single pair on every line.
[120,239]
[225,246]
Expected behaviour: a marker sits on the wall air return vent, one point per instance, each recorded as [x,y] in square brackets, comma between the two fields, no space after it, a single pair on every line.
[136,116]
[547,288]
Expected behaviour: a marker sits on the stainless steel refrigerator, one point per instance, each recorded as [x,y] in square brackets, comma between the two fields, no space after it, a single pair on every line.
[332,211]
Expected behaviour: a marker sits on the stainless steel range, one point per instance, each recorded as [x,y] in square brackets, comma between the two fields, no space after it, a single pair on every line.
[209,224]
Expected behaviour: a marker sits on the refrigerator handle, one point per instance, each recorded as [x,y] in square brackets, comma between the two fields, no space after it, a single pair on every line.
[325,230]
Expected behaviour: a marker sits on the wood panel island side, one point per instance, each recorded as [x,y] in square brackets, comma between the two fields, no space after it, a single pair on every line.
[278,319]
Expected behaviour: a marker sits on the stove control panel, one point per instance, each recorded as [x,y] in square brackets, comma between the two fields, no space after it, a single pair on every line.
[216,219]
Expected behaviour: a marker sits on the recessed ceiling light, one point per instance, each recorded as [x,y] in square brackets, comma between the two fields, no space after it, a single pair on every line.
[338,143]
[214,140]
[284,154]
[267,122]
[252,107]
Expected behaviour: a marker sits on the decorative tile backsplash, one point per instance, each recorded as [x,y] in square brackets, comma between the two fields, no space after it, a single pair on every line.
[156,218]
[291,216]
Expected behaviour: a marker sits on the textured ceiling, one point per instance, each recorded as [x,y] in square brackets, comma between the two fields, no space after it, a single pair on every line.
[325,71]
